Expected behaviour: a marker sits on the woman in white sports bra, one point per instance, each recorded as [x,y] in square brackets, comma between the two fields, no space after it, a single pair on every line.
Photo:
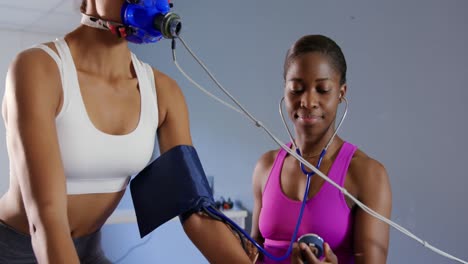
[81,115]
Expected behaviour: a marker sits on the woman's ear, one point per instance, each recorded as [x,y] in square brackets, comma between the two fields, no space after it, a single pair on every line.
[342,92]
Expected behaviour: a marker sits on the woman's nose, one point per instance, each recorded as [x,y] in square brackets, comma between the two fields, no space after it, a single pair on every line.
[309,100]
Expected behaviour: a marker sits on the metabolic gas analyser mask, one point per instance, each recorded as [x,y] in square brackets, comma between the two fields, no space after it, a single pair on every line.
[143,21]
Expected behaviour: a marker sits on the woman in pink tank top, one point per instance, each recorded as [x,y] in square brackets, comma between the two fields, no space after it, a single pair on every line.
[315,84]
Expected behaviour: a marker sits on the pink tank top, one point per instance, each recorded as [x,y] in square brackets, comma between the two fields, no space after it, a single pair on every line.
[326,214]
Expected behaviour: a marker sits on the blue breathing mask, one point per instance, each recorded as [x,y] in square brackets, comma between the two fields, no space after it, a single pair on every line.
[148,21]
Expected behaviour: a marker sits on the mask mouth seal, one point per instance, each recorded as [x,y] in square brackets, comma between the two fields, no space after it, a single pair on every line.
[169,25]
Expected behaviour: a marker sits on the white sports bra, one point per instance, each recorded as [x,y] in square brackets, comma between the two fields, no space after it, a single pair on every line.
[96,162]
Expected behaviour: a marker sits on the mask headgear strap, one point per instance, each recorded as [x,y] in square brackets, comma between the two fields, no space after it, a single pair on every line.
[116,28]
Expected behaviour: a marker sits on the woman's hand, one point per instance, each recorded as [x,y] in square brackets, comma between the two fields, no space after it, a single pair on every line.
[302,254]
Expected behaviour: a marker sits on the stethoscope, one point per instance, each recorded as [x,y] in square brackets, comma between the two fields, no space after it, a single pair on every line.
[309,175]
[217,215]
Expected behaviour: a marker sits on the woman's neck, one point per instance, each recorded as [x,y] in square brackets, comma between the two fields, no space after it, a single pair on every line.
[100,51]
[312,146]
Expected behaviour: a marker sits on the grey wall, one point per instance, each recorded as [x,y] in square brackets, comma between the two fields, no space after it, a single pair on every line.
[407,91]
[407,87]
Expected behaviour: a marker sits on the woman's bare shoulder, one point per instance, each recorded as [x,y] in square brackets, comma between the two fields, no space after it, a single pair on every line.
[368,173]
[35,62]
[267,158]
[362,162]
[264,164]
[164,81]
[33,76]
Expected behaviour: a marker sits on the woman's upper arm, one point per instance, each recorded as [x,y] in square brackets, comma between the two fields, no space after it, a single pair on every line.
[257,193]
[259,178]
[173,127]
[371,236]
[211,237]
[32,99]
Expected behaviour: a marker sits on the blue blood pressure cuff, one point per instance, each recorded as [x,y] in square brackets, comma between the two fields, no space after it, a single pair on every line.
[172,185]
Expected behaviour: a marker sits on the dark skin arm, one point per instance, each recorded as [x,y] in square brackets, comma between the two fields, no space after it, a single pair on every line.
[260,176]
[213,238]
[371,236]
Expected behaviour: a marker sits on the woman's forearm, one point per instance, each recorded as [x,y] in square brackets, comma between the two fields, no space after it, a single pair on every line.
[51,240]
[214,239]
